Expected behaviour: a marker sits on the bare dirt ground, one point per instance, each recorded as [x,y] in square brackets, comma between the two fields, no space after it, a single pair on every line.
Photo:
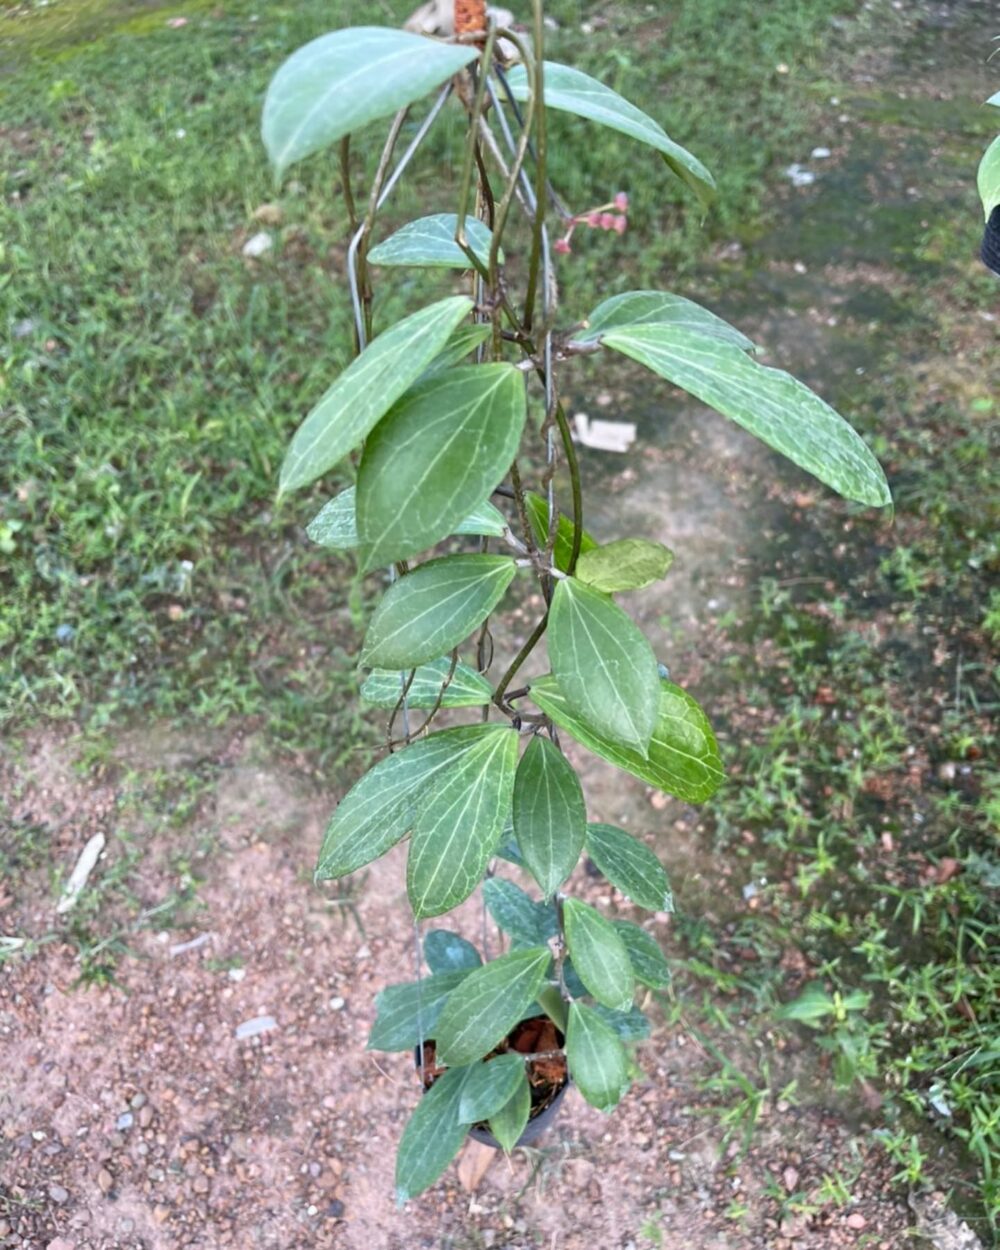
[133,1116]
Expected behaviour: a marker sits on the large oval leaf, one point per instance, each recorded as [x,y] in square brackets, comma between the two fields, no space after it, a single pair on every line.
[988,178]
[683,755]
[460,823]
[489,1086]
[550,816]
[367,389]
[467,688]
[656,307]
[625,564]
[488,1004]
[434,608]
[604,665]
[509,1122]
[341,81]
[575,92]
[775,407]
[647,960]
[464,340]
[440,451]
[630,866]
[432,1137]
[526,922]
[596,1058]
[430,243]
[405,1015]
[382,807]
[599,955]
[335,524]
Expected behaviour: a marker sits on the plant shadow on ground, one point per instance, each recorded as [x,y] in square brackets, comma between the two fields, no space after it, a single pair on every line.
[151,375]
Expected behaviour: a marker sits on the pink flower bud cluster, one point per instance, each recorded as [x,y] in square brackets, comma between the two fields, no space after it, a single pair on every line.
[613,216]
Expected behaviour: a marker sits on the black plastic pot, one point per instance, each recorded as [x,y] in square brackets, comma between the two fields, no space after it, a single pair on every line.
[991,242]
[533,1130]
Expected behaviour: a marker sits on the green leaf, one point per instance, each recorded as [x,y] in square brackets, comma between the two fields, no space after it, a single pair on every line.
[812,1005]
[367,389]
[338,83]
[335,525]
[430,242]
[575,92]
[994,100]
[489,1086]
[528,923]
[483,519]
[447,952]
[467,688]
[464,340]
[988,178]
[460,823]
[604,665]
[627,564]
[644,954]
[630,866]
[437,455]
[382,807]
[657,307]
[538,516]
[550,816]
[405,1015]
[775,407]
[628,1026]
[683,756]
[434,608]
[599,955]
[510,1121]
[596,1058]
[488,1003]
[432,1137]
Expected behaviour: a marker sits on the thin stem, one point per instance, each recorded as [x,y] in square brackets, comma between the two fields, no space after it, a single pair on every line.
[577,491]
[538,100]
[533,640]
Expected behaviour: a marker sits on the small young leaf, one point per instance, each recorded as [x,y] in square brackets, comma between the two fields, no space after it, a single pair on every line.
[367,389]
[488,1003]
[489,1087]
[656,307]
[382,807]
[437,455]
[528,923]
[339,82]
[405,1015]
[813,1005]
[644,954]
[550,816]
[509,1122]
[596,1058]
[432,1137]
[335,525]
[448,952]
[775,407]
[599,955]
[575,92]
[467,688]
[628,564]
[629,1026]
[630,866]
[430,242]
[538,517]
[459,824]
[434,608]
[604,665]
[683,756]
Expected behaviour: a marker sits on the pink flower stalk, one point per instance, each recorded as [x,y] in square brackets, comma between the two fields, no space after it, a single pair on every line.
[607,221]
[621,202]
[621,225]
[562,246]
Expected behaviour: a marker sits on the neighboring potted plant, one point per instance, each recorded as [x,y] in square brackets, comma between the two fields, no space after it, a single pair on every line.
[433,415]
[988,179]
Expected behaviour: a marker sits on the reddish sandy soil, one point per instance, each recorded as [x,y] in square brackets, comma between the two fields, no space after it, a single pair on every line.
[133,1117]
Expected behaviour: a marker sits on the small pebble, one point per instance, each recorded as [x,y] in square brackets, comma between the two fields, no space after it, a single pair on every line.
[105,1180]
[856,1220]
[251,1028]
[58,1194]
[336,1004]
[335,1209]
[137,1101]
[125,1120]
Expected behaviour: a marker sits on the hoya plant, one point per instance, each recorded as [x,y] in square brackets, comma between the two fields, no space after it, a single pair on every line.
[451,427]
[988,180]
